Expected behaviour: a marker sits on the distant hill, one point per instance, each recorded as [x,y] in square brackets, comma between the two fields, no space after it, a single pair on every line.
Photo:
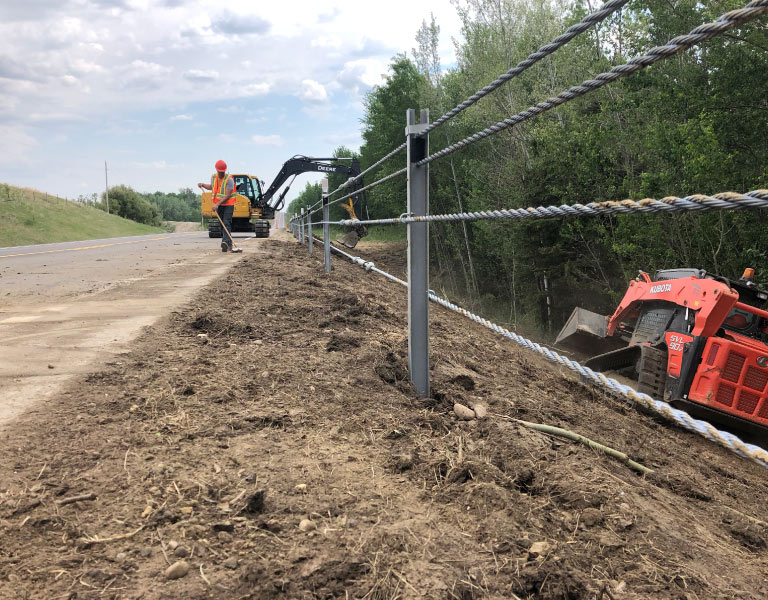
[31,217]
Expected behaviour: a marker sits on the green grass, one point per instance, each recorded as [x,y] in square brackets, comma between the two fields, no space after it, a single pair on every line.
[376,233]
[31,217]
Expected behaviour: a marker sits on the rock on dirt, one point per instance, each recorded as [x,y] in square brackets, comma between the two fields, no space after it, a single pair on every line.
[538,548]
[463,412]
[307,525]
[177,570]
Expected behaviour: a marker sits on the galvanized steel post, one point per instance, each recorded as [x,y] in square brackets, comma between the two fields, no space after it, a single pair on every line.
[326,235]
[418,252]
[303,239]
[309,230]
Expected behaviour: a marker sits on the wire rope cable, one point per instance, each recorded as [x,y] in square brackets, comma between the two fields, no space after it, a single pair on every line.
[378,163]
[700,34]
[755,199]
[590,20]
[723,438]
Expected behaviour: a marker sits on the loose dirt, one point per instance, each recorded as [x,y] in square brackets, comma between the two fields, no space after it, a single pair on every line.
[264,442]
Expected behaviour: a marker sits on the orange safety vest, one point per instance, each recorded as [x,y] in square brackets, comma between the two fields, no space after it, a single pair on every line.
[219,188]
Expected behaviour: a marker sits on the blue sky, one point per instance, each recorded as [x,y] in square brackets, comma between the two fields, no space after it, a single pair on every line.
[162,89]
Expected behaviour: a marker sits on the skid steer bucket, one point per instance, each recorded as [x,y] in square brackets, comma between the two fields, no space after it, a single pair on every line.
[585,333]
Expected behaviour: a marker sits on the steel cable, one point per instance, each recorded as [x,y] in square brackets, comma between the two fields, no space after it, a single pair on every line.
[727,440]
[697,202]
[382,160]
[701,33]
[591,19]
[365,188]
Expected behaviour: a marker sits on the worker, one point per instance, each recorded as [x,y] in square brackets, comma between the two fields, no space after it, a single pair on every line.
[222,189]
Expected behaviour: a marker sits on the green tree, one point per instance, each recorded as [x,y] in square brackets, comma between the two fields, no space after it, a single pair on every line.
[129,204]
[383,131]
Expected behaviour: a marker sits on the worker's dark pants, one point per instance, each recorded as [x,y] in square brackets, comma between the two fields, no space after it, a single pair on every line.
[225,212]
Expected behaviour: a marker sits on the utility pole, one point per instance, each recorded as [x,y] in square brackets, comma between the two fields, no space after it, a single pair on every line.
[106,185]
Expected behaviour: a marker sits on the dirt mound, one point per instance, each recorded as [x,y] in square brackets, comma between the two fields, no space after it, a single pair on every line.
[264,442]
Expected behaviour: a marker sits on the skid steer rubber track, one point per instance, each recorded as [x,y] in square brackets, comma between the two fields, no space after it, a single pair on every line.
[652,372]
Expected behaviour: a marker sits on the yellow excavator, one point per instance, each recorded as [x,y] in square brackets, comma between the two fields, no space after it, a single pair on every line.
[254,206]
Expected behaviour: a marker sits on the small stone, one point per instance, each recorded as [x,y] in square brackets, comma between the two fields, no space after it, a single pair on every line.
[307,525]
[272,525]
[155,491]
[186,510]
[223,536]
[173,544]
[610,540]
[121,556]
[202,335]
[538,548]
[51,367]
[145,552]
[480,410]
[181,552]
[230,563]
[177,570]
[463,412]
[301,488]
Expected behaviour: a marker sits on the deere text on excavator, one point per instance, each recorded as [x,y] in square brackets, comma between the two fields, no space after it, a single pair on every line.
[691,338]
[254,206]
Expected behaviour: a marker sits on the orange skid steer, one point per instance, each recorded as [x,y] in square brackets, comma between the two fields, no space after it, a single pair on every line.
[691,338]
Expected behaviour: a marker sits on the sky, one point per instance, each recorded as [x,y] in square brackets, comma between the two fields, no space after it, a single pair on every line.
[162,89]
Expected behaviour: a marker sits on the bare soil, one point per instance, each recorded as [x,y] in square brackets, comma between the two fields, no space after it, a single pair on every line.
[266,435]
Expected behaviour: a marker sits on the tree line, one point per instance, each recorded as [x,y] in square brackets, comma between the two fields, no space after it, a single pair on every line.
[149,208]
[693,123]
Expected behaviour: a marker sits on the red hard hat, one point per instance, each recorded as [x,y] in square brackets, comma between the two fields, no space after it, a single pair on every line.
[221,165]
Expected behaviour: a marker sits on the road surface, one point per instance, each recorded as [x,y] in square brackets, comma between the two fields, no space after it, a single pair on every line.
[66,308]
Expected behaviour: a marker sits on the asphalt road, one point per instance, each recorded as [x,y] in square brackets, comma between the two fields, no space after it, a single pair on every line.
[66,308]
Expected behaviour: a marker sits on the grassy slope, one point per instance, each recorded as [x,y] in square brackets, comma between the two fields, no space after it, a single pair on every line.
[31,217]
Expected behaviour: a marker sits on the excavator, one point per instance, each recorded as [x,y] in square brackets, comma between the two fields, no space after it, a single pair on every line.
[254,206]
[688,337]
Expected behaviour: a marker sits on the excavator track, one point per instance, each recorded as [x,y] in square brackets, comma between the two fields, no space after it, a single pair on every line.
[214,229]
[261,228]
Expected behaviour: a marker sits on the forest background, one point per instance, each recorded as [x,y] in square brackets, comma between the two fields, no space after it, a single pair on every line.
[693,123]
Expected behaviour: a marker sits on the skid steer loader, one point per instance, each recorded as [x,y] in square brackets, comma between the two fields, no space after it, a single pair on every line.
[691,338]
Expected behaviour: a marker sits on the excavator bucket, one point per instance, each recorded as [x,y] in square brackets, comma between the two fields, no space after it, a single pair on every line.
[585,333]
[350,239]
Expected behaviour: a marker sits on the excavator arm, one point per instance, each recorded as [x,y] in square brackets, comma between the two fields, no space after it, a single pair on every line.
[356,205]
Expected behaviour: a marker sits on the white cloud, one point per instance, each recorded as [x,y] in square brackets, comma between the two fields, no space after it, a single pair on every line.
[181,118]
[362,73]
[228,23]
[118,64]
[267,140]
[312,91]
[155,164]
[199,76]
[255,89]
